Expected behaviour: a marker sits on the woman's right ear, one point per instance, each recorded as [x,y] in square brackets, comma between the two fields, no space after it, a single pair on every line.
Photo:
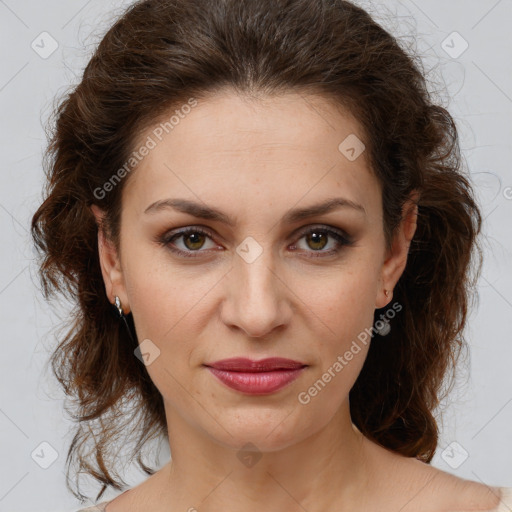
[98,214]
[109,261]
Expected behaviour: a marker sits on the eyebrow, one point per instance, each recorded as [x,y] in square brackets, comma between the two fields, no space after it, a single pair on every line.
[297,214]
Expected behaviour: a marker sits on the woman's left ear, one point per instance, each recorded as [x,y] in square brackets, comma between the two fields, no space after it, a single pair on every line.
[396,258]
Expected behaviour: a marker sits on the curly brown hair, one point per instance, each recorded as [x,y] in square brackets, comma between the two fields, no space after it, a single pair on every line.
[158,54]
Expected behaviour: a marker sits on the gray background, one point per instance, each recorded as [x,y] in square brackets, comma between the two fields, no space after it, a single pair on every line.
[476,85]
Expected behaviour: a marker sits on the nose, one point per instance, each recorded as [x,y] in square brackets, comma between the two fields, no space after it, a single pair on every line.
[257,297]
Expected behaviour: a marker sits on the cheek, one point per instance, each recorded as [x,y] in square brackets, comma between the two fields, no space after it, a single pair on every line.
[345,310]
[160,296]
[164,310]
[346,301]
[340,349]
[168,306]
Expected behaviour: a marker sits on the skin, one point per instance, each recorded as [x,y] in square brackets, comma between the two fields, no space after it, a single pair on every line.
[265,158]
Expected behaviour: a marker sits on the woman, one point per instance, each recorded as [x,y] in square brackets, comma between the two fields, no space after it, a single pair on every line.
[264,221]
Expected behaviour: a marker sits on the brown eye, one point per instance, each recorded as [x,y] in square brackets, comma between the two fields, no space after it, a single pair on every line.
[317,240]
[191,240]
[196,240]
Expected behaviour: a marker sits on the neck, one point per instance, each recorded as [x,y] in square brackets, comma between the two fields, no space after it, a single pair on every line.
[326,468]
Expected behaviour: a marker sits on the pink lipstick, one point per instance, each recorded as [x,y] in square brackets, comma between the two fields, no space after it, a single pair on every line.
[256,377]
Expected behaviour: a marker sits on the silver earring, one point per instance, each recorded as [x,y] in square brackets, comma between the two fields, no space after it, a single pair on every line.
[117,303]
[383,328]
[118,306]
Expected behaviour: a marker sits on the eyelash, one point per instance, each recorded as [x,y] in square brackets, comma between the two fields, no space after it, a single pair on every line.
[341,239]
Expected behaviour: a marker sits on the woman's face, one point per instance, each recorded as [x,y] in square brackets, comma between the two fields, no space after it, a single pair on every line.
[250,281]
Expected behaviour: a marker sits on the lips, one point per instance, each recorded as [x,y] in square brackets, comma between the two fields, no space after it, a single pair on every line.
[256,377]
[240,364]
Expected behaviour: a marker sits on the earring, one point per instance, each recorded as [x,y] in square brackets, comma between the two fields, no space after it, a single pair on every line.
[118,306]
[382,326]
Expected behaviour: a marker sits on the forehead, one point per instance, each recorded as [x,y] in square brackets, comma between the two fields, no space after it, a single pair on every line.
[238,151]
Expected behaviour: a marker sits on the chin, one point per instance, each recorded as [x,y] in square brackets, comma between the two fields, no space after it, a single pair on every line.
[264,431]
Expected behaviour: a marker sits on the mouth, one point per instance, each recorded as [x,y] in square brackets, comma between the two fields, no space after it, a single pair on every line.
[241,364]
[256,377]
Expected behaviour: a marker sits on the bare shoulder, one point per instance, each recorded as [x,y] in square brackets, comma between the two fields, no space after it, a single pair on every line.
[431,488]
[410,485]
